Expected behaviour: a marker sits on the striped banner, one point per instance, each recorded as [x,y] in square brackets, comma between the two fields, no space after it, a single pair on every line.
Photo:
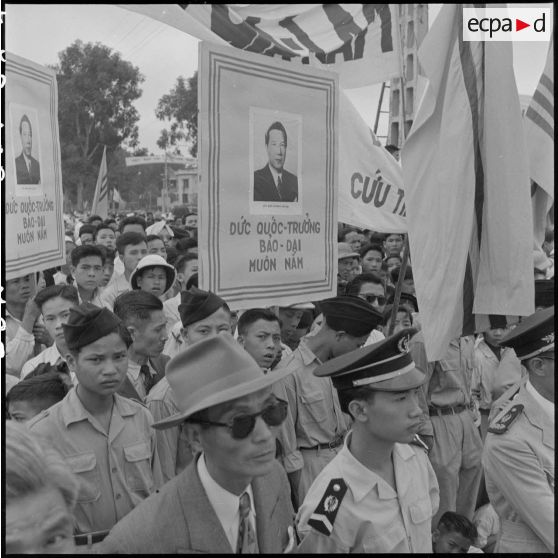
[539,132]
[466,178]
[100,199]
[359,41]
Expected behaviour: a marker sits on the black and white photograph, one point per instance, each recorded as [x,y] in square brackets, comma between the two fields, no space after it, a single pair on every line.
[278,279]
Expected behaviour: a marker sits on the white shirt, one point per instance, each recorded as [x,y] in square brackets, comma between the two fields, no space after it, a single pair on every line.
[135,377]
[276,175]
[51,355]
[375,336]
[547,406]
[170,308]
[225,504]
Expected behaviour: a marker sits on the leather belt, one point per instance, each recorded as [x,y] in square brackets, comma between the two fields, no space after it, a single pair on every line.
[90,538]
[484,411]
[330,445]
[438,411]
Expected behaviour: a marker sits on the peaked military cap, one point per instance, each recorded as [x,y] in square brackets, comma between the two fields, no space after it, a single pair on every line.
[533,336]
[351,314]
[385,366]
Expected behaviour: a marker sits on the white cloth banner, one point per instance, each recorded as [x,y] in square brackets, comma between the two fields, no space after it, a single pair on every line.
[359,41]
[370,178]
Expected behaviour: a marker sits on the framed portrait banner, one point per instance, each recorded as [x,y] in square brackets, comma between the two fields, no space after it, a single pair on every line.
[267,205]
[33,181]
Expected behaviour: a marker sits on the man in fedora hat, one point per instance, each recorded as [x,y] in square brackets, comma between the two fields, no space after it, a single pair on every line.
[518,456]
[234,496]
[203,315]
[314,430]
[379,493]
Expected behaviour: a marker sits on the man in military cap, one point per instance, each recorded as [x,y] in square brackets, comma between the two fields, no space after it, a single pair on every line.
[106,439]
[203,315]
[379,493]
[234,497]
[313,432]
[518,456]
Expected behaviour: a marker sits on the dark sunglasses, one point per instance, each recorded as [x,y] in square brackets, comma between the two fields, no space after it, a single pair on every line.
[242,426]
[370,298]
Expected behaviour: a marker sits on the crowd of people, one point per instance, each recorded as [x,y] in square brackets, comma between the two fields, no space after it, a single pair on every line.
[146,416]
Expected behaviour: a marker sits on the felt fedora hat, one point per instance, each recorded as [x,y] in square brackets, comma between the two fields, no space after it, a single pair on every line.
[153,260]
[212,372]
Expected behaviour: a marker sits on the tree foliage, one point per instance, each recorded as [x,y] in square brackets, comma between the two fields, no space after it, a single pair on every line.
[96,91]
[180,108]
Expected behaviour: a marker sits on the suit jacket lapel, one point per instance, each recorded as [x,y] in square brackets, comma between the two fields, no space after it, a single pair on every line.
[205,530]
[265,501]
[158,364]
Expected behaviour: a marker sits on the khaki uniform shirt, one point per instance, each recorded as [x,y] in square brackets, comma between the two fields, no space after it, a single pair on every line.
[519,472]
[116,471]
[372,517]
[314,414]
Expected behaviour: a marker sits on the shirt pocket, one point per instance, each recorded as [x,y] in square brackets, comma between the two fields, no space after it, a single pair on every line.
[137,468]
[420,511]
[313,408]
[84,465]
[390,540]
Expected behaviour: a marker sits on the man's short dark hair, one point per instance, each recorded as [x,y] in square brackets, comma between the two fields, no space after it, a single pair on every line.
[375,247]
[182,260]
[135,220]
[102,227]
[67,292]
[185,244]
[151,237]
[136,305]
[80,252]
[252,315]
[87,229]
[109,221]
[47,388]
[108,253]
[401,308]
[347,395]
[128,239]
[394,273]
[456,523]
[25,118]
[354,285]
[276,126]
[94,218]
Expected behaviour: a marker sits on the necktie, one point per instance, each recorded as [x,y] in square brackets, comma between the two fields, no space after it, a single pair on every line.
[247,542]
[280,187]
[148,380]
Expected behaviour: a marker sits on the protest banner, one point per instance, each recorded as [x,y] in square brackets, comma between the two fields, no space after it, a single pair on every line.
[33,185]
[370,178]
[269,240]
[359,41]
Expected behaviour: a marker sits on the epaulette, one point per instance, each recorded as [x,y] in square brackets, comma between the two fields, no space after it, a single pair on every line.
[324,515]
[502,422]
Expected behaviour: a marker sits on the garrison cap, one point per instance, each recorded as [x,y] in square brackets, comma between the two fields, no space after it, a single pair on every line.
[344,250]
[385,366]
[87,324]
[533,336]
[197,305]
[351,314]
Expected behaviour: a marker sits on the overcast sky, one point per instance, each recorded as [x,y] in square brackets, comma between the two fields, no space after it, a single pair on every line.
[40,31]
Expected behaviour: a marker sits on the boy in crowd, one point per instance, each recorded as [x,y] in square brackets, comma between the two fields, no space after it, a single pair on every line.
[104,236]
[186,265]
[33,395]
[55,303]
[132,248]
[393,244]
[259,332]
[134,224]
[105,439]
[234,497]
[87,235]
[88,264]
[142,314]
[153,275]
[379,493]
[203,315]
[455,534]
[155,245]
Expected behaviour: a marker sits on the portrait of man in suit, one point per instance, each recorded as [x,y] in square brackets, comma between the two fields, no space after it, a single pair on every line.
[273,183]
[28,170]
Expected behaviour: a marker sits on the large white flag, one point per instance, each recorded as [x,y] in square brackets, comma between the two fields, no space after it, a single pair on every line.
[466,179]
[359,41]
[370,178]
[100,199]
[539,132]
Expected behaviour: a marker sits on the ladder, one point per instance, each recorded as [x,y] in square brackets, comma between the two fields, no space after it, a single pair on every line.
[385,85]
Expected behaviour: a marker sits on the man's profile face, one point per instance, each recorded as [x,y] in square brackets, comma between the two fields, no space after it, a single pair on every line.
[26,138]
[276,149]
